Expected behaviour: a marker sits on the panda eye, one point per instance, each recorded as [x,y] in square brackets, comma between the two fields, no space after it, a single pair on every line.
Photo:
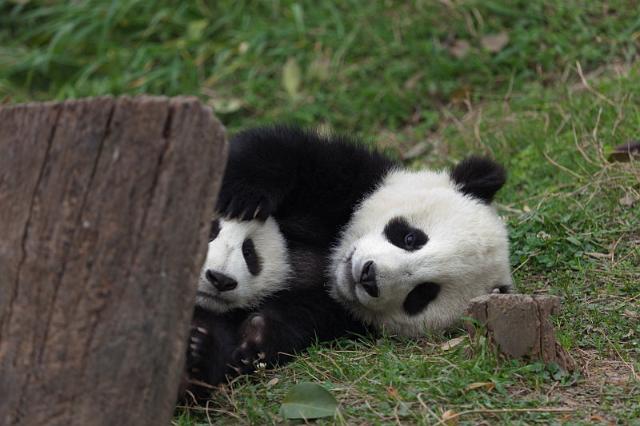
[399,233]
[410,240]
[251,258]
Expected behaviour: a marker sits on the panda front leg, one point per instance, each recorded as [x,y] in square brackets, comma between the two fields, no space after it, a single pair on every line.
[272,336]
[212,339]
[259,344]
[195,377]
[200,346]
[289,323]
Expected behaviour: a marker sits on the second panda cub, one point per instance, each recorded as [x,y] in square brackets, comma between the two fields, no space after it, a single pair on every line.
[246,262]
[259,300]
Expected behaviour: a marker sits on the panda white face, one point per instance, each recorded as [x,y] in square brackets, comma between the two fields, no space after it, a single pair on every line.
[246,262]
[416,251]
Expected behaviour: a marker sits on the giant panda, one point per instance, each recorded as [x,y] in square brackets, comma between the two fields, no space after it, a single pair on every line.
[406,250]
[246,262]
[259,300]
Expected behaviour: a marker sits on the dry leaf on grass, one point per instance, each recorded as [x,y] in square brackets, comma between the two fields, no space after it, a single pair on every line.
[416,150]
[449,418]
[291,77]
[495,42]
[460,48]
[627,201]
[489,386]
[450,344]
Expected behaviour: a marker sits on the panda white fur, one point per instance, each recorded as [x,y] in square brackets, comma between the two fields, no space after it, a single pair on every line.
[246,262]
[405,250]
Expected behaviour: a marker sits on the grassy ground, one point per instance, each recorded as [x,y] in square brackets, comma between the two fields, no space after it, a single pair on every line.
[546,87]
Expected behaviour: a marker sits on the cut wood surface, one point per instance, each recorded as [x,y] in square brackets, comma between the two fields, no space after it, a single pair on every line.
[520,326]
[105,207]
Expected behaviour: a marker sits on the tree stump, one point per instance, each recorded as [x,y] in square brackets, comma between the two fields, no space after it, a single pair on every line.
[520,326]
[105,208]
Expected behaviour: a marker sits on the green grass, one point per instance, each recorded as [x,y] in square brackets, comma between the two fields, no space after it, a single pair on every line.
[385,70]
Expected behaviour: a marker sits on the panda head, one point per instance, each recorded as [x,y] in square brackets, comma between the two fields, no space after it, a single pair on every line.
[421,246]
[246,262]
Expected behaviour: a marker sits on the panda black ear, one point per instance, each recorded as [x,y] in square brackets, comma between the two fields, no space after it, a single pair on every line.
[479,177]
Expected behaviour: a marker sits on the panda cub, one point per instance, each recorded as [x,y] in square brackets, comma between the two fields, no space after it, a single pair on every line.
[406,250]
[246,263]
[259,300]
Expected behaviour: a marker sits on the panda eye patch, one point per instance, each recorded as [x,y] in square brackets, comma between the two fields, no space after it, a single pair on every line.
[399,233]
[215,230]
[254,263]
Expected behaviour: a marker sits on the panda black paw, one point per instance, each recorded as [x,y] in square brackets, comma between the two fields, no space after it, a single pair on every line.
[245,204]
[200,343]
[252,353]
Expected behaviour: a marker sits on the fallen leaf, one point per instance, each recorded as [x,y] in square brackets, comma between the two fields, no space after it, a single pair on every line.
[412,82]
[461,94]
[460,48]
[628,200]
[195,29]
[271,383]
[225,105]
[450,344]
[308,401]
[495,42]
[450,418]
[291,77]
[416,150]
[489,386]
[320,68]
[243,47]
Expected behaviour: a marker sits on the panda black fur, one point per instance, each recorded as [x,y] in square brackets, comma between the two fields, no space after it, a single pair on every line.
[408,249]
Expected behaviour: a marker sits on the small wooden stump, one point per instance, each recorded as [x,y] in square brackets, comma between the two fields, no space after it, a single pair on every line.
[520,326]
[105,207]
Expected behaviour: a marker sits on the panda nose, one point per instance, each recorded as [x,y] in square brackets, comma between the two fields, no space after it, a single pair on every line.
[220,281]
[368,279]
